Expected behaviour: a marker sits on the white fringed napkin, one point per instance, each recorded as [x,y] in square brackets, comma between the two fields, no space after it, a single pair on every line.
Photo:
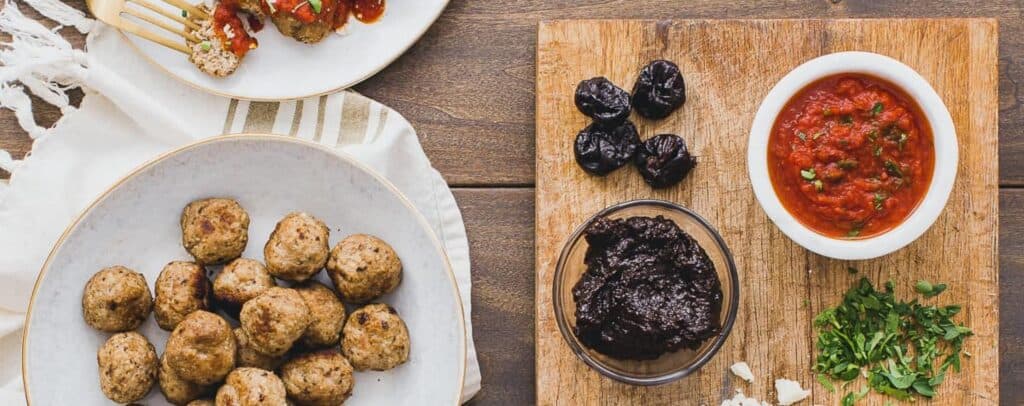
[131,113]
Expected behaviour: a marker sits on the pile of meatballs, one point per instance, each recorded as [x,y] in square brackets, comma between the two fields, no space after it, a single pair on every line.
[286,349]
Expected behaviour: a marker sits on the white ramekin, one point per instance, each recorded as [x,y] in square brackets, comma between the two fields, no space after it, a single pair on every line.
[943,132]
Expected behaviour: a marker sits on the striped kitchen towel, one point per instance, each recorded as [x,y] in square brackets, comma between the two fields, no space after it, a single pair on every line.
[133,112]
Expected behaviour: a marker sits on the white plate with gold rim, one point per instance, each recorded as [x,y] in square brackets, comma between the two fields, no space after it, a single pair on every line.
[282,68]
[135,224]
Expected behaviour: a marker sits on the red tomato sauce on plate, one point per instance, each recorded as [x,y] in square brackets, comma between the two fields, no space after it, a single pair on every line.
[851,156]
[226,19]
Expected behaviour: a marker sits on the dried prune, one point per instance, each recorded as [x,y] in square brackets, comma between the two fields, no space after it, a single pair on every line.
[602,101]
[600,149]
[663,160]
[659,90]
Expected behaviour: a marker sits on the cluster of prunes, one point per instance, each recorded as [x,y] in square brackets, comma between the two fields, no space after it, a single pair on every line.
[612,140]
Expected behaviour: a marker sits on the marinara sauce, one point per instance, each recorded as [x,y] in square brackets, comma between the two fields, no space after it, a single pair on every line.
[229,28]
[851,155]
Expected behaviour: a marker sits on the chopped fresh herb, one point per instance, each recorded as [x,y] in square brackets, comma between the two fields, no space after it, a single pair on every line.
[801,135]
[853,232]
[927,289]
[903,348]
[827,384]
[878,150]
[818,185]
[848,163]
[893,169]
[873,135]
[184,13]
[877,109]
[880,199]
[808,174]
[206,45]
[853,397]
[317,5]
[846,120]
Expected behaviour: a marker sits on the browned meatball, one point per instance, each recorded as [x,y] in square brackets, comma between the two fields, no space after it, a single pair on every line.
[201,348]
[116,299]
[214,231]
[128,367]
[309,33]
[251,387]
[181,288]
[274,320]
[176,390]
[322,378]
[239,281]
[297,249]
[364,267]
[375,338]
[327,314]
[249,357]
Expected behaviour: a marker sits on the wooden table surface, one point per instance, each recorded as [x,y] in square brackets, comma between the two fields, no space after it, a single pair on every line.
[468,89]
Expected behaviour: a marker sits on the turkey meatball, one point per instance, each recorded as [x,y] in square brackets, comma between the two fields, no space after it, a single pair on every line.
[322,378]
[364,267]
[201,348]
[239,281]
[251,387]
[274,320]
[181,288]
[327,315]
[128,367]
[249,357]
[214,231]
[375,338]
[176,390]
[297,249]
[116,299]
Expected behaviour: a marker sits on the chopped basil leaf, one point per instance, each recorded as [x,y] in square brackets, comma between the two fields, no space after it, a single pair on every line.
[206,45]
[853,233]
[316,4]
[827,384]
[184,13]
[877,109]
[846,120]
[808,174]
[818,185]
[878,151]
[879,199]
[847,163]
[893,169]
[873,135]
[801,135]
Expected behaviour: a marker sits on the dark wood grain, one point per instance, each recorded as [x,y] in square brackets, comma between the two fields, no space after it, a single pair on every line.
[1011,301]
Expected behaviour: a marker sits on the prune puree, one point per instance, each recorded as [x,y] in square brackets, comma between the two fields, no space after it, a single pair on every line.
[649,289]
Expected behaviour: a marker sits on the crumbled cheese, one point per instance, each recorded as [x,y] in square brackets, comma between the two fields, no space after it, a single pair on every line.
[272,5]
[228,32]
[740,400]
[790,392]
[742,370]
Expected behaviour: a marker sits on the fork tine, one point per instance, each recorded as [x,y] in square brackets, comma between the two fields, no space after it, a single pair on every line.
[192,10]
[143,33]
[164,12]
[157,22]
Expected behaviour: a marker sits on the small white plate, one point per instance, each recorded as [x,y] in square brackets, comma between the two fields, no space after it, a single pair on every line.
[943,132]
[283,68]
[135,224]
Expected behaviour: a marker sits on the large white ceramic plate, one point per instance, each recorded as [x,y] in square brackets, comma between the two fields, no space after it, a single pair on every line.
[135,224]
[282,68]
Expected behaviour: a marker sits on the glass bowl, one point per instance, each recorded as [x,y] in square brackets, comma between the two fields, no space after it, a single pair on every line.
[670,366]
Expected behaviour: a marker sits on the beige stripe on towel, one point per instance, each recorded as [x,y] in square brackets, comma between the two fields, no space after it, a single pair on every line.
[355,117]
[260,118]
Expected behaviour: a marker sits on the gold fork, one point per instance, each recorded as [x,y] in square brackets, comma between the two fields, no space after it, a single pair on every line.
[113,12]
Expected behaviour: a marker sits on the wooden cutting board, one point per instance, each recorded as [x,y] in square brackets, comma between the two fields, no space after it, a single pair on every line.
[729,66]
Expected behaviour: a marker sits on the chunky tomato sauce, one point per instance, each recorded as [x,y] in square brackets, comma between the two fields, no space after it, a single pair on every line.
[229,27]
[851,156]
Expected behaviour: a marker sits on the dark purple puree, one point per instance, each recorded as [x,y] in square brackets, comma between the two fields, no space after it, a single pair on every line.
[649,289]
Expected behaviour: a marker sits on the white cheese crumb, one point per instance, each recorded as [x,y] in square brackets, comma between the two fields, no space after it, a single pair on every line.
[228,32]
[742,370]
[272,5]
[790,392]
[740,400]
